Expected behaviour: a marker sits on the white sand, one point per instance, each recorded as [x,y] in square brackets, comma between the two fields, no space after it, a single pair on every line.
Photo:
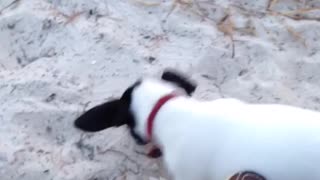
[59,57]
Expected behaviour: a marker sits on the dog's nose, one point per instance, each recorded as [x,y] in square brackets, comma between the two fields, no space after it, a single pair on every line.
[155,153]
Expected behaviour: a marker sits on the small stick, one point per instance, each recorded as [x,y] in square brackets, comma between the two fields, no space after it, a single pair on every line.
[73,17]
[147,3]
[227,27]
[9,5]
[271,3]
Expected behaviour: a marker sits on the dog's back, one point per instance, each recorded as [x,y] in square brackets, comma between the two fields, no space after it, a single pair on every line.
[220,138]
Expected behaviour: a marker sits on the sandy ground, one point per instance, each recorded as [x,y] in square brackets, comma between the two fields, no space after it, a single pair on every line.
[58,58]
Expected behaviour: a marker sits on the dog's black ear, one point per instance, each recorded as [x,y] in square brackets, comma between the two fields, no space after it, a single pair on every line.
[179,80]
[110,114]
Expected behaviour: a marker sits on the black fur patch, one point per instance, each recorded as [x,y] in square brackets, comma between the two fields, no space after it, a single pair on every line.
[113,113]
[178,79]
[247,175]
[110,114]
[102,116]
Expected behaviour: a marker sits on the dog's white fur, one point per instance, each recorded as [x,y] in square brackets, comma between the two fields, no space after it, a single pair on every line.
[213,140]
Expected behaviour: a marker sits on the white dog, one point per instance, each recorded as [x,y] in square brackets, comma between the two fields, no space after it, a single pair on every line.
[224,139]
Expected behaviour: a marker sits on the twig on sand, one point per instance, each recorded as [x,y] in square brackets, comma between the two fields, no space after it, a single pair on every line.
[227,27]
[297,36]
[304,10]
[271,3]
[144,3]
[173,7]
[9,5]
[175,4]
[68,18]
[73,17]
[297,17]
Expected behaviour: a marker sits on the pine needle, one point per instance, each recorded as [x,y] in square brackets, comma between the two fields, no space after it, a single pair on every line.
[144,3]
[299,14]
[73,17]
[176,3]
[296,35]
[227,27]
[297,17]
[173,7]
[300,17]
[271,4]
[301,11]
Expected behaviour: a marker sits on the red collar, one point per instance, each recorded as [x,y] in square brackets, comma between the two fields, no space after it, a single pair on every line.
[155,110]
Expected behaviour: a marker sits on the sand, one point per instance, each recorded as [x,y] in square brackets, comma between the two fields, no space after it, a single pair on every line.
[59,58]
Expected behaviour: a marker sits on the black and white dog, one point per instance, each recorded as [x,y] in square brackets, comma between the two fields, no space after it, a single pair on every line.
[223,139]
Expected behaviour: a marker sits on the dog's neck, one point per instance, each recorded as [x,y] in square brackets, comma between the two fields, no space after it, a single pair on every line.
[161,102]
[143,101]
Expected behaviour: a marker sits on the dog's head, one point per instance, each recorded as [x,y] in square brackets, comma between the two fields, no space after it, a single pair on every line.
[122,111]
